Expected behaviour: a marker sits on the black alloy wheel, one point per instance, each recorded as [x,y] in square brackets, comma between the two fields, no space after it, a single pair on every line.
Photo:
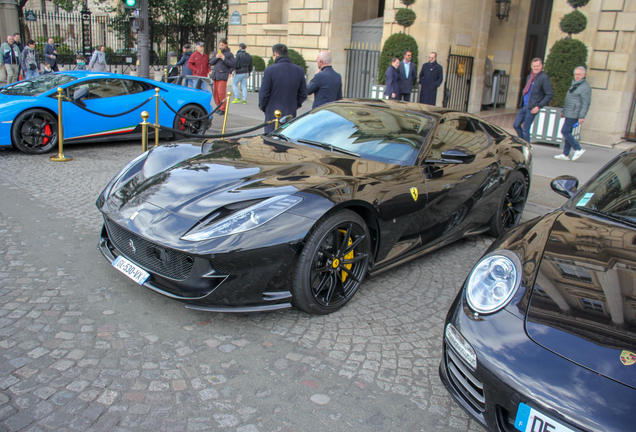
[34,131]
[511,206]
[332,264]
[191,119]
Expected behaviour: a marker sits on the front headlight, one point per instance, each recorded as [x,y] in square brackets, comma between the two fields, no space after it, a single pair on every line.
[244,220]
[493,281]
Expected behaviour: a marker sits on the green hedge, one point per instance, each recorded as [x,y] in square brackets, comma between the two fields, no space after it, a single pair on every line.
[573,23]
[405,17]
[565,55]
[395,46]
[258,63]
[295,57]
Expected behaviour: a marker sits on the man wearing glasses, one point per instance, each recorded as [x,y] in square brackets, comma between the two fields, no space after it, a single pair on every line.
[431,77]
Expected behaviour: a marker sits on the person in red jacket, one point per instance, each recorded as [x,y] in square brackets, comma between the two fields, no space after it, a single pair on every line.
[199,65]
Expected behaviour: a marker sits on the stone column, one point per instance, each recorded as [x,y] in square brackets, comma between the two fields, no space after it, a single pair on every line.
[548,287]
[613,295]
[8,18]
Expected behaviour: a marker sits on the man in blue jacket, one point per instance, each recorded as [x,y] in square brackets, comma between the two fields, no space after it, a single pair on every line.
[283,88]
[327,83]
[536,94]
[392,87]
[407,74]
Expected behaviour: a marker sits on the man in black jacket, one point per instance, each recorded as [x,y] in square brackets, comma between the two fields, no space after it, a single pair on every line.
[50,54]
[283,88]
[327,83]
[407,74]
[392,80]
[431,78]
[241,74]
[223,62]
[536,94]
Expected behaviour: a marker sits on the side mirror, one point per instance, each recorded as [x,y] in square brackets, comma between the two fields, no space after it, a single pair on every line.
[565,185]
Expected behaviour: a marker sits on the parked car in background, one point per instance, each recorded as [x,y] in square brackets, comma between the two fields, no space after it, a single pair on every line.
[28,109]
[301,215]
[542,336]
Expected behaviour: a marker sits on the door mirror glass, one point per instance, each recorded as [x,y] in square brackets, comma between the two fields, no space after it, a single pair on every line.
[565,185]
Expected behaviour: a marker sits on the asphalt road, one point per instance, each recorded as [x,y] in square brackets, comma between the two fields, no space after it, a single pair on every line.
[84,348]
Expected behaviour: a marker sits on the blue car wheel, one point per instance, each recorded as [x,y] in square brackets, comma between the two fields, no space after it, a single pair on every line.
[34,131]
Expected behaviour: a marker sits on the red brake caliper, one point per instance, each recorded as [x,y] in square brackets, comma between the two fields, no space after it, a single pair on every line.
[182,123]
[47,131]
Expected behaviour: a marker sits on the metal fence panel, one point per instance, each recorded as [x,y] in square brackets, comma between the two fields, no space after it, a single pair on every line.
[362,71]
[547,125]
[457,85]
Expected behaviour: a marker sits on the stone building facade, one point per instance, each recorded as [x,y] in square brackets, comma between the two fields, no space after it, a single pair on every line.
[470,26]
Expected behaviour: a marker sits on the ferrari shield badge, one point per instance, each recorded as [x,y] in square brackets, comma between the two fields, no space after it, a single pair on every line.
[628,358]
[414,193]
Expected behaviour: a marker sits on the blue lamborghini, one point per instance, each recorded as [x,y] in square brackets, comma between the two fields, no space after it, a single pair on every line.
[28,109]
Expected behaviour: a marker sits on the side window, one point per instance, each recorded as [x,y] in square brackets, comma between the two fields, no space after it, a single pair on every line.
[133,87]
[461,132]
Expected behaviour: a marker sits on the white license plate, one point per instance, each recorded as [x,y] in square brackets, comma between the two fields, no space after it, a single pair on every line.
[131,270]
[531,420]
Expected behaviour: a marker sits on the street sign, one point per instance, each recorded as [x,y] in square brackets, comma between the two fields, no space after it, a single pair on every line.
[87,35]
[30,16]
[235,18]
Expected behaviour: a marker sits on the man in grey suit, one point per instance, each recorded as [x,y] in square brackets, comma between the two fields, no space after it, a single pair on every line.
[50,54]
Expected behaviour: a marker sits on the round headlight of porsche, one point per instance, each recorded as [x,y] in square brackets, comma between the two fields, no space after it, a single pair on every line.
[493,281]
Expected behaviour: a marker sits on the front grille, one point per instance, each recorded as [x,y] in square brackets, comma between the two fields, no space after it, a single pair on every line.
[158,259]
[465,381]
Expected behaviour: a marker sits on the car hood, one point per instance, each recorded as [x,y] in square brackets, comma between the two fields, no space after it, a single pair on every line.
[583,301]
[193,180]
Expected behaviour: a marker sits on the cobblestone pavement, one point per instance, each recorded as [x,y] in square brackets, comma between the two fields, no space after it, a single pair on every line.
[85,349]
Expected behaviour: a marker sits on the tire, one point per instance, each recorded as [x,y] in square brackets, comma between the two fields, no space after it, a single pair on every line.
[510,205]
[34,131]
[332,264]
[197,127]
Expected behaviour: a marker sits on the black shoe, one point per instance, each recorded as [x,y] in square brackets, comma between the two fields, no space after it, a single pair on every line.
[221,112]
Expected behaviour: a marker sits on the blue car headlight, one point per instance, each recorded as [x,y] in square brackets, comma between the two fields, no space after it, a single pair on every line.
[244,220]
[493,281]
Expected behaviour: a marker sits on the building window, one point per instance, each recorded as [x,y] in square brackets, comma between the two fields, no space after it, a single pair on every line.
[592,305]
[575,272]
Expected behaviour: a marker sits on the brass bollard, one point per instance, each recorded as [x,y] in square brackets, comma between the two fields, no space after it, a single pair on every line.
[157,117]
[277,114]
[227,109]
[144,131]
[165,74]
[60,131]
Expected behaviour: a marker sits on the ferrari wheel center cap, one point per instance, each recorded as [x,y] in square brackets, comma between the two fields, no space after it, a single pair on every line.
[335,263]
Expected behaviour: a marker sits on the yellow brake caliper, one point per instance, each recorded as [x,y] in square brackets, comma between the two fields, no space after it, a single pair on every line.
[347,257]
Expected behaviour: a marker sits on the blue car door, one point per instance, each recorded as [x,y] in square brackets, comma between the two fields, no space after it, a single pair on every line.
[105,96]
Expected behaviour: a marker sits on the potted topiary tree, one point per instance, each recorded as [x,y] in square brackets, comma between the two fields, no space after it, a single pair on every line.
[395,46]
[565,55]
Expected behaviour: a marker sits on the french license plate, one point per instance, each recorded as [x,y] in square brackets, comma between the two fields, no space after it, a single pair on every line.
[531,420]
[131,270]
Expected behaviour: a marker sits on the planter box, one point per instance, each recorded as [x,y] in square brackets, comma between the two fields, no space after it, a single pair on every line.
[547,125]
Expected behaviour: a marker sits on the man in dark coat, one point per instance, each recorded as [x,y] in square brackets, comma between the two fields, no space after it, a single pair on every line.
[183,62]
[392,87]
[327,83]
[407,74]
[431,78]
[50,54]
[224,63]
[283,88]
[536,94]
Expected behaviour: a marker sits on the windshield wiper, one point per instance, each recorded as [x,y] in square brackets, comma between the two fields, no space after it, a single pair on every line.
[327,147]
[279,136]
[608,215]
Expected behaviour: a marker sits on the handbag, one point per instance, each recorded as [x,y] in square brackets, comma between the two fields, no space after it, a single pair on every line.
[3,74]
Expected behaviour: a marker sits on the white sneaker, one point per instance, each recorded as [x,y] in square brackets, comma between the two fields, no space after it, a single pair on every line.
[562,157]
[577,154]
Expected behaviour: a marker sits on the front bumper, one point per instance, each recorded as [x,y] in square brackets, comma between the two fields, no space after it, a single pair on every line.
[512,369]
[247,281]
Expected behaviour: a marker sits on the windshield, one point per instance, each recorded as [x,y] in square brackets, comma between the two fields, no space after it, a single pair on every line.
[613,190]
[377,133]
[38,85]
